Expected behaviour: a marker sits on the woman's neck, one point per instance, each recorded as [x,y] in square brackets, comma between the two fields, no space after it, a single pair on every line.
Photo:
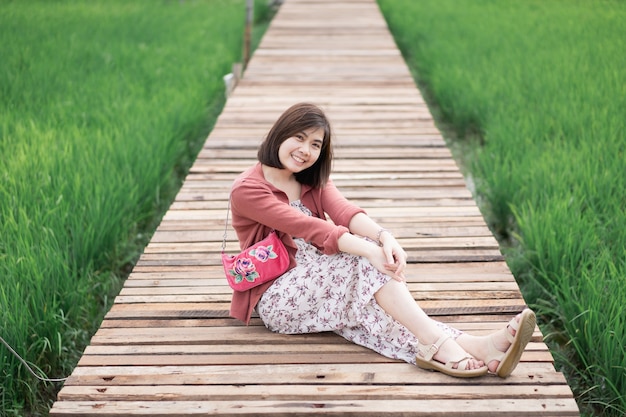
[284,180]
[277,175]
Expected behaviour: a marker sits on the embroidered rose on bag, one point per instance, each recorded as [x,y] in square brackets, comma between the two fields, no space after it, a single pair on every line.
[244,268]
[263,253]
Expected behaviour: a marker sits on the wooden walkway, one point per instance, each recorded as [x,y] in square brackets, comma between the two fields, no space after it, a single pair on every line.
[168,347]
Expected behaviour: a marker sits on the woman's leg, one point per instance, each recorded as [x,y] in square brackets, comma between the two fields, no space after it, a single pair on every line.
[398,302]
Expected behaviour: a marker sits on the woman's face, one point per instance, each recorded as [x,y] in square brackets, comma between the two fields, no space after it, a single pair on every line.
[300,151]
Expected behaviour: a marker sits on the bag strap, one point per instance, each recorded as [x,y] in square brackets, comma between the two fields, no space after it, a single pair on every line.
[226,227]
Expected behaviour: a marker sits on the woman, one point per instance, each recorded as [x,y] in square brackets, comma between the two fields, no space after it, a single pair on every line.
[345,276]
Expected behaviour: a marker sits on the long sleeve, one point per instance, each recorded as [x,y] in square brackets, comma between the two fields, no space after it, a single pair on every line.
[258,207]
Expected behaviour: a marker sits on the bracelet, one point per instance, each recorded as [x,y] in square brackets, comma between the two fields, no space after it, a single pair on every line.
[380,232]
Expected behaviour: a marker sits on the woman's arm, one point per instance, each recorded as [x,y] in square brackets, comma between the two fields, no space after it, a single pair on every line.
[388,258]
[255,203]
[361,224]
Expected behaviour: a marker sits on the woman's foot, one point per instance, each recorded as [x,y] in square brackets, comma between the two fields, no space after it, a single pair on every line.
[506,346]
[451,350]
[446,356]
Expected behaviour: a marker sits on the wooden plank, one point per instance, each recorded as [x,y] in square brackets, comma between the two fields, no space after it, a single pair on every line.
[535,349]
[298,392]
[309,374]
[220,308]
[383,408]
[206,286]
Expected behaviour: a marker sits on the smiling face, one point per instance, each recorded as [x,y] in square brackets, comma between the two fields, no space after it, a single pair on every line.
[300,141]
[302,150]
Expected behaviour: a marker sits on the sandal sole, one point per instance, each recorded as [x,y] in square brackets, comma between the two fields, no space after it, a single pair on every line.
[523,335]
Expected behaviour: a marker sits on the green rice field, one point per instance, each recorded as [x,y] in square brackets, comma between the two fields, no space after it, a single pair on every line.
[531,97]
[104,105]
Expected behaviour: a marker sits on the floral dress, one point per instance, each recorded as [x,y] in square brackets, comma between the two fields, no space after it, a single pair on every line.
[336,293]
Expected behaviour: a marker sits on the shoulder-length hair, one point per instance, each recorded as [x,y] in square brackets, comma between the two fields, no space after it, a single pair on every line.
[294,120]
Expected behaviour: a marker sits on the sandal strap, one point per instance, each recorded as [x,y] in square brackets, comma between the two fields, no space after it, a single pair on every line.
[465,360]
[495,354]
[513,324]
[428,351]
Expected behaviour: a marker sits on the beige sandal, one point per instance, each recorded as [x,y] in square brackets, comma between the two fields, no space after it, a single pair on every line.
[424,359]
[523,333]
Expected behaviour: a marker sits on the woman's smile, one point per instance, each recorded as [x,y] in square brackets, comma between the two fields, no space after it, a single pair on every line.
[301,150]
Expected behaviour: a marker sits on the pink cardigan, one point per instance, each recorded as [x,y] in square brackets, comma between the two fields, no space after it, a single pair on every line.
[258,207]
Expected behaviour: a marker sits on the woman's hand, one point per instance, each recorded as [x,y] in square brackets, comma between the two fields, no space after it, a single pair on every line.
[395,256]
[389,259]
[392,257]
[392,265]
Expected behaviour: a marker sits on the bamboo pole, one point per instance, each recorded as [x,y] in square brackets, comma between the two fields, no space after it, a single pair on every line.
[247,47]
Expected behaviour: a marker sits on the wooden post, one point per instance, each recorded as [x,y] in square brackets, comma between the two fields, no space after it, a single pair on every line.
[247,47]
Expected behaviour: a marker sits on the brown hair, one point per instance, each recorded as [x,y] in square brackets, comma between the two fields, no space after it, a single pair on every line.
[296,119]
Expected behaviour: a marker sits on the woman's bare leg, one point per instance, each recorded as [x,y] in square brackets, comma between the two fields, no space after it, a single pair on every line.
[397,301]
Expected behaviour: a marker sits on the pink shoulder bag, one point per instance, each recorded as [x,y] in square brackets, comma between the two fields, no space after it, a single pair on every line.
[264,261]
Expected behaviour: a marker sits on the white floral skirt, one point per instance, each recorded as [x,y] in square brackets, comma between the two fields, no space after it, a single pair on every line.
[336,293]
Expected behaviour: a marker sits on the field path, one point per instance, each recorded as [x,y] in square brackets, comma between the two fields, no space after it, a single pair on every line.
[168,348]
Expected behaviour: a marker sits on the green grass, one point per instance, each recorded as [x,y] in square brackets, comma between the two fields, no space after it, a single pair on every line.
[532,96]
[104,105]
